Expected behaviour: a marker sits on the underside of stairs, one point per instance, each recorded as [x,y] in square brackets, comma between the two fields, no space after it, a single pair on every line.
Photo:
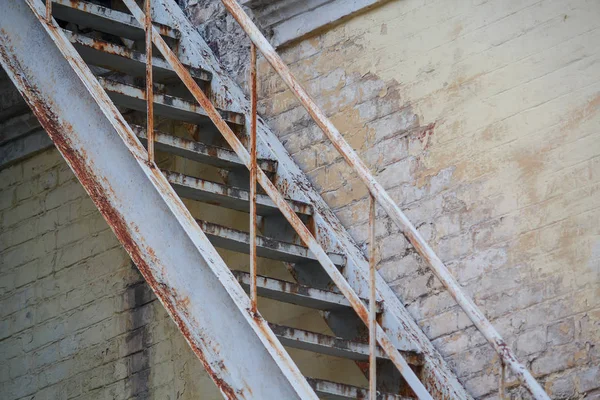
[83,76]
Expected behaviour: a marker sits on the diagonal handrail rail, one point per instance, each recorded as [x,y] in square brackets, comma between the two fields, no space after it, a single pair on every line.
[304,233]
[506,355]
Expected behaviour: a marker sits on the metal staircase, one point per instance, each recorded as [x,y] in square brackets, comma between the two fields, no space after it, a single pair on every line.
[83,72]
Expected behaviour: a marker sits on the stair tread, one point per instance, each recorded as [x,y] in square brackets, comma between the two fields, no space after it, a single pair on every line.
[297,294]
[201,152]
[120,58]
[333,346]
[227,196]
[172,107]
[105,19]
[233,239]
[339,391]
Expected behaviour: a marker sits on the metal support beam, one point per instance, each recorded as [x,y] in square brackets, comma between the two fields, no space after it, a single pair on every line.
[178,262]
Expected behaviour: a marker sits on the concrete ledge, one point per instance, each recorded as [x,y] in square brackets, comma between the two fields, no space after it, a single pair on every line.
[290,20]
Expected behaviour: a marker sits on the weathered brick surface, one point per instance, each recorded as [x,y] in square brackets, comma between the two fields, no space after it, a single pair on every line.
[77,321]
[481,119]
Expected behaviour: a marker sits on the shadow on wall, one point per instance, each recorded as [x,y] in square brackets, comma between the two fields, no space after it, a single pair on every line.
[139,298]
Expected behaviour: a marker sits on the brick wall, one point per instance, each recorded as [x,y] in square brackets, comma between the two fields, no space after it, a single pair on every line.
[76,318]
[481,119]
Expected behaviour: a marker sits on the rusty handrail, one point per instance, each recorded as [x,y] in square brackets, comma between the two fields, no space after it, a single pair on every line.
[253,99]
[149,82]
[48,11]
[303,232]
[386,202]
[372,301]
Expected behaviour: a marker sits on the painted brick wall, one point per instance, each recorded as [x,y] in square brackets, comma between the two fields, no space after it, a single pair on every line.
[481,119]
[76,318]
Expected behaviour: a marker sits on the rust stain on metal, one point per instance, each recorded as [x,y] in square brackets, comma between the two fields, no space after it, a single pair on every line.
[49,11]
[149,83]
[85,6]
[372,303]
[253,218]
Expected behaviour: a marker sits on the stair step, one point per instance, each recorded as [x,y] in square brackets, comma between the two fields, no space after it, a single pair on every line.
[333,346]
[120,58]
[201,152]
[134,97]
[105,19]
[339,391]
[231,197]
[297,294]
[232,239]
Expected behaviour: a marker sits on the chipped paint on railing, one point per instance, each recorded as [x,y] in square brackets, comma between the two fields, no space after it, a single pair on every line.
[149,83]
[116,16]
[253,167]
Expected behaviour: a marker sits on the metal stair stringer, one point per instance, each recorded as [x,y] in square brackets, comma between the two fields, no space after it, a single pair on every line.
[292,182]
[175,257]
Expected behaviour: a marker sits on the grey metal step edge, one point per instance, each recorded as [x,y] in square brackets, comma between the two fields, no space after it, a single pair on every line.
[232,239]
[172,107]
[339,391]
[294,293]
[333,346]
[231,197]
[119,58]
[105,19]
[200,152]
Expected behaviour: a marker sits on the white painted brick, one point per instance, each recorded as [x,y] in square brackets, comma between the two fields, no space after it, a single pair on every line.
[589,378]
[560,388]
[531,342]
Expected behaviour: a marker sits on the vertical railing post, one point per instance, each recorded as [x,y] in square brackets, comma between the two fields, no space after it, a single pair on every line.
[372,305]
[48,11]
[253,295]
[502,389]
[149,84]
